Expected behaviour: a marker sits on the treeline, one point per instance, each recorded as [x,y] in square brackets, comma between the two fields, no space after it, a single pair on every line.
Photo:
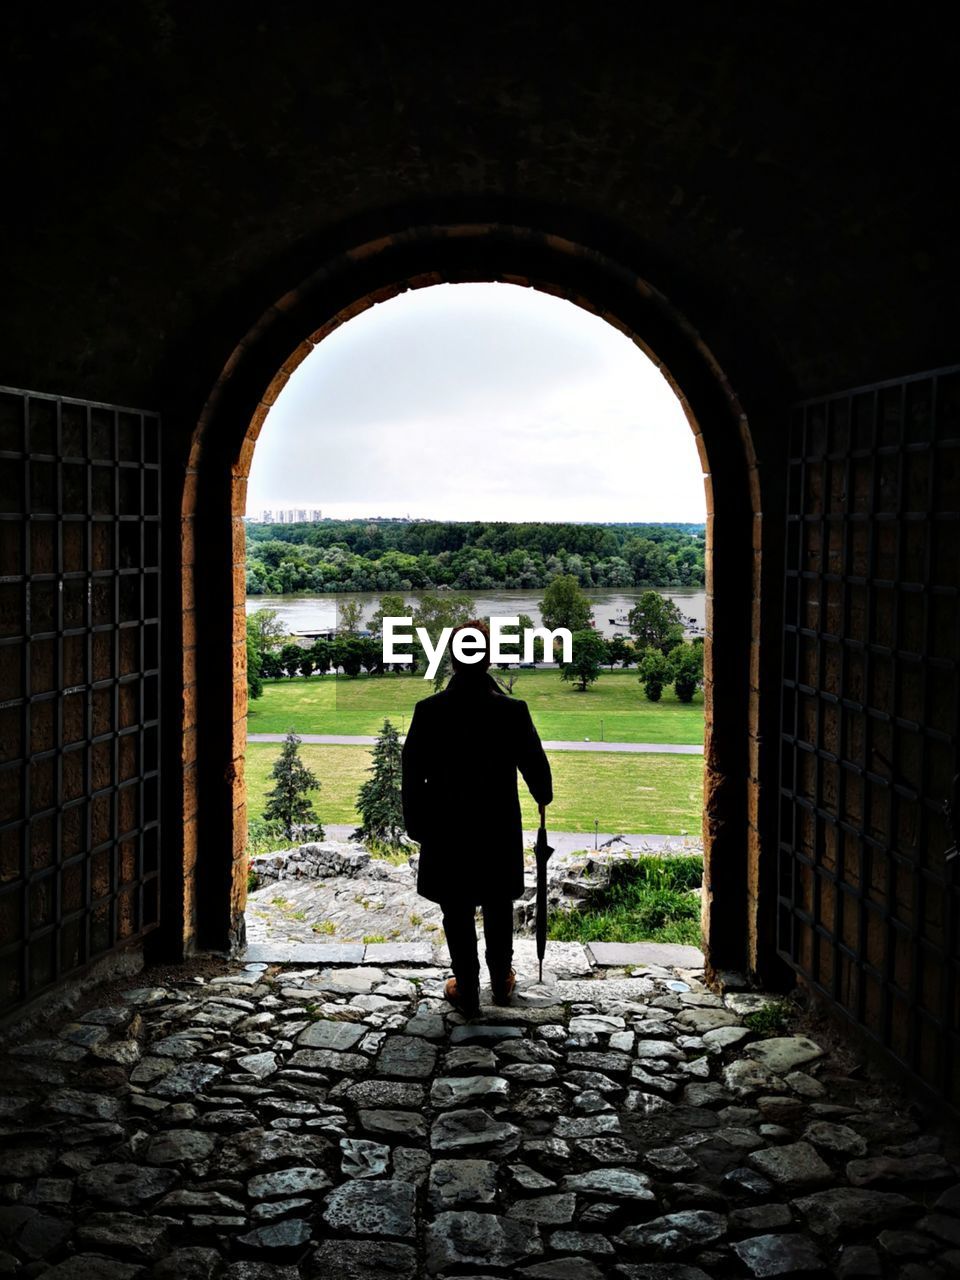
[354,555]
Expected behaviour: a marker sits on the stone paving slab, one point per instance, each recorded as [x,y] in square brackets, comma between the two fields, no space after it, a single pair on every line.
[308,1121]
[562,959]
[621,955]
[305,953]
[399,953]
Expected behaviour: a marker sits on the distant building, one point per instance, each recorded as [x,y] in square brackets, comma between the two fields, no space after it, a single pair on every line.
[287,515]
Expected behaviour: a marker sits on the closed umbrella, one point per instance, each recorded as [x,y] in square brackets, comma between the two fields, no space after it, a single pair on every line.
[543,852]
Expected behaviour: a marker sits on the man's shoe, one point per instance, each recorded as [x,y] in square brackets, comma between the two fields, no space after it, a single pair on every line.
[504,988]
[465,1002]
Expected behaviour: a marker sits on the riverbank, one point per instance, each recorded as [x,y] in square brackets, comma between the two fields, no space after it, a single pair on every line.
[309,611]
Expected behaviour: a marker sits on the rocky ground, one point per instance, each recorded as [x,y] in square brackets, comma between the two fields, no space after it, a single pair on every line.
[335,890]
[271,1123]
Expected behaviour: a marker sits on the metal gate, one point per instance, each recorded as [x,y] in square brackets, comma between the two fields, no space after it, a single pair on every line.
[868,891]
[79,685]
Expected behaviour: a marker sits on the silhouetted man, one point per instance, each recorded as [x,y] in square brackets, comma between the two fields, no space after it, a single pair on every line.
[460,801]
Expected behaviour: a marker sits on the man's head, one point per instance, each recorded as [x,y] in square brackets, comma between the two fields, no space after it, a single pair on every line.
[476,642]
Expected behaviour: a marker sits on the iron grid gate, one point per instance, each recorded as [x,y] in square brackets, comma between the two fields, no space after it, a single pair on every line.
[868,894]
[79,684]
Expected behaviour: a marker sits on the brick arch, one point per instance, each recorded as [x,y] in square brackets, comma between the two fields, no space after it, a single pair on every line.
[738,903]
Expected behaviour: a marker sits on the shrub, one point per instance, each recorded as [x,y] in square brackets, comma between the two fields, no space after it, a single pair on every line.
[264,837]
[772,1019]
[655,672]
[686,667]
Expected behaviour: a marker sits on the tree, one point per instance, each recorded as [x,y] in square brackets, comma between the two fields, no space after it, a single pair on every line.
[589,651]
[349,616]
[267,630]
[306,663]
[264,631]
[579,567]
[565,605]
[656,621]
[655,672]
[686,667]
[347,652]
[371,654]
[619,651]
[391,606]
[291,656]
[254,682]
[320,653]
[433,613]
[378,801]
[289,802]
[271,668]
[507,676]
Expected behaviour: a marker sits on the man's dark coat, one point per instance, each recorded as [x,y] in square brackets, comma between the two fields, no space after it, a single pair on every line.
[460,801]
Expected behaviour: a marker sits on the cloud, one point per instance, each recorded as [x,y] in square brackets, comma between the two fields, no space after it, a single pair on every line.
[479,402]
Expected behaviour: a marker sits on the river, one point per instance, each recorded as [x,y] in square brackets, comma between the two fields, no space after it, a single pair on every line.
[305,612]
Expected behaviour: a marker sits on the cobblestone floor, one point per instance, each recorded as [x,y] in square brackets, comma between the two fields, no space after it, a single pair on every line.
[268,1123]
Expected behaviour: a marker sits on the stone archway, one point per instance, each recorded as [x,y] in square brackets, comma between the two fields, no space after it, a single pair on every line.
[740,860]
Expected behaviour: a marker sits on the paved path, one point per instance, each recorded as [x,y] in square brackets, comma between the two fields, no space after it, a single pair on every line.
[367,740]
[571,841]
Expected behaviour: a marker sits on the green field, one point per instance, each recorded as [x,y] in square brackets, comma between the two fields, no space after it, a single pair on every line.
[658,794]
[613,709]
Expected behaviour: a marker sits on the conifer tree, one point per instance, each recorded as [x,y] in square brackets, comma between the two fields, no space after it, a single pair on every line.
[378,801]
[288,803]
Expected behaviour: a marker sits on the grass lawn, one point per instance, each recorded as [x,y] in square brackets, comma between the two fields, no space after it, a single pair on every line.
[341,770]
[656,794]
[650,899]
[338,705]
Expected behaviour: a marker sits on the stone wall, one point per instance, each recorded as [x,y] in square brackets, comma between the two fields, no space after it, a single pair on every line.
[319,860]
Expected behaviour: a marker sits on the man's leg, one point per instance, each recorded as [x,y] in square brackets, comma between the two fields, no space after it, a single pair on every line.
[459,925]
[498,936]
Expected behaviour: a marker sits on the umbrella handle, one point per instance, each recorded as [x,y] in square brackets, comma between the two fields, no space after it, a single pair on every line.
[543,815]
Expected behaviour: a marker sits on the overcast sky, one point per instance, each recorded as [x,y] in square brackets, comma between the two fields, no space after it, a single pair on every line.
[478,401]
